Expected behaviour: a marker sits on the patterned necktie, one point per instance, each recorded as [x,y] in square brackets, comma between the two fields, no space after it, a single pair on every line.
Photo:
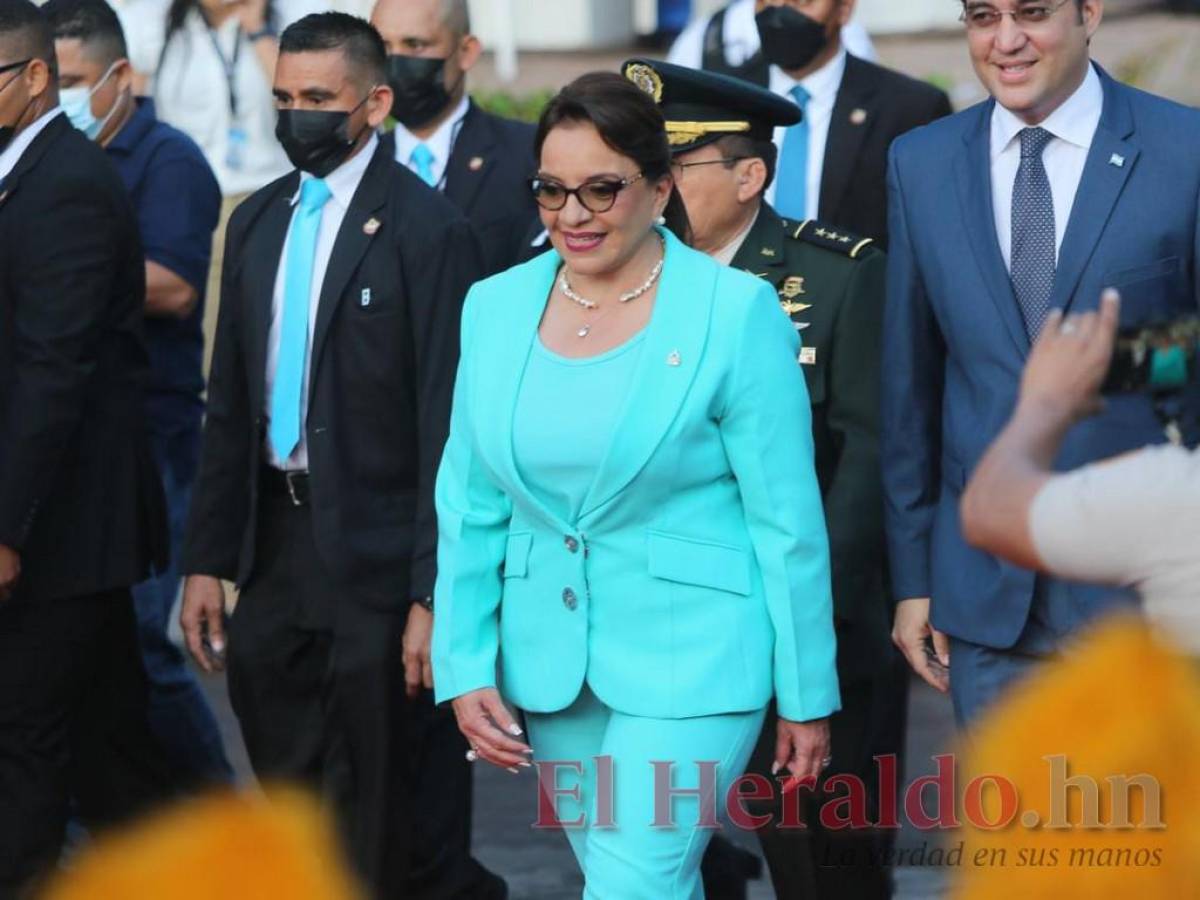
[421,159]
[1033,241]
[284,431]
[791,191]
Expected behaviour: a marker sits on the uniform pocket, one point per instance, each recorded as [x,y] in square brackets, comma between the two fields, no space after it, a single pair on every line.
[701,563]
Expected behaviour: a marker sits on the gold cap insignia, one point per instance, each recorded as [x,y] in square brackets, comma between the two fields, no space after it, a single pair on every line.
[646,79]
[793,286]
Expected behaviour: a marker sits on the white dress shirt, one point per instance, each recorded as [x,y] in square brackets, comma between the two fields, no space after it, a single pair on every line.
[20,143]
[822,86]
[740,37]
[440,143]
[191,90]
[1074,126]
[343,182]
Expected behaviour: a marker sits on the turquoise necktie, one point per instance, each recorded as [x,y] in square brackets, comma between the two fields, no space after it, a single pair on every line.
[422,159]
[791,190]
[284,431]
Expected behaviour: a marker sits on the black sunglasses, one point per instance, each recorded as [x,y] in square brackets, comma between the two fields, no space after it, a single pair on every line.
[597,196]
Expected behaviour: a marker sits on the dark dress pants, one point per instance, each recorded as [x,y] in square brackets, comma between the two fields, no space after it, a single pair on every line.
[73,723]
[317,682]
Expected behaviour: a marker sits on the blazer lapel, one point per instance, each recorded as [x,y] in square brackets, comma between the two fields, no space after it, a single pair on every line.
[1109,164]
[500,363]
[471,159]
[854,114]
[671,355]
[353,239]
[53,130]
[972,170]
[260,261]
[762,253]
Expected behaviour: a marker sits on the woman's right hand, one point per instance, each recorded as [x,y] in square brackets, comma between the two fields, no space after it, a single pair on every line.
[485,722]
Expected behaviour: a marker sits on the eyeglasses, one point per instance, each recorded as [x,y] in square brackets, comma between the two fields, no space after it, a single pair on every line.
[984,17]
[598,196]
[8,67]
[726,161]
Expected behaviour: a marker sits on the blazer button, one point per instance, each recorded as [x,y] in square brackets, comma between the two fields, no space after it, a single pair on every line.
[570,601]
[572,544]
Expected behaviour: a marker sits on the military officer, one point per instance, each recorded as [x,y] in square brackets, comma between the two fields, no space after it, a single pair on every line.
[831,283]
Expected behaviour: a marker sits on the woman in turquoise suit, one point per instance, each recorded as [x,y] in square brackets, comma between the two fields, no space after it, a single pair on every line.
[630,522]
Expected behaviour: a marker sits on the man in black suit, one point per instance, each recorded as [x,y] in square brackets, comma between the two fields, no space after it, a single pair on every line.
[81,509]
[328,405]
[833,164]
[480,161]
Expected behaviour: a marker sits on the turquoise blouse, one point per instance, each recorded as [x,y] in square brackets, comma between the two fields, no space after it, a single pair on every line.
[567,411]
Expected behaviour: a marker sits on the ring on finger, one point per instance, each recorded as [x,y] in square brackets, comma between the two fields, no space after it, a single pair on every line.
[472,755]
[1068,328]
[826,762]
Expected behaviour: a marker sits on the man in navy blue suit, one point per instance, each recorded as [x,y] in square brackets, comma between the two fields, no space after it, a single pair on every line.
[1063,183]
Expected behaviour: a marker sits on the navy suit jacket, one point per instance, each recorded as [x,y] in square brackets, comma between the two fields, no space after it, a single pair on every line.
[955,343]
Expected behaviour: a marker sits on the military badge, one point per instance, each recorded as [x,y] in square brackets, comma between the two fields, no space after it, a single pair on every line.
[808,356]
[791,307]
[646,79]
[793,286]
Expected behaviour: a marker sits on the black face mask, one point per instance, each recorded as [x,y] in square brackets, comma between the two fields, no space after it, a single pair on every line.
[419,84]
[317,141]
[790,39]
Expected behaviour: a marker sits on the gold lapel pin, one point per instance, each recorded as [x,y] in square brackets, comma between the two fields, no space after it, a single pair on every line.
[475,164]
[673,358]
[371,226]
[858,116]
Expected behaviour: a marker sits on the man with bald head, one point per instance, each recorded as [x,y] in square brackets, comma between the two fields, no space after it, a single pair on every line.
[480,161]
[80,504]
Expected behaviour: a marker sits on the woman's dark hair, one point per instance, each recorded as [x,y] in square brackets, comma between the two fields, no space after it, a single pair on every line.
[177,14]
[628,121]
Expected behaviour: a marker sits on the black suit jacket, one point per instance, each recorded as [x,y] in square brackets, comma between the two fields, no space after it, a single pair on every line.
[383,358]
[874,106]
[487,178]
[80,499]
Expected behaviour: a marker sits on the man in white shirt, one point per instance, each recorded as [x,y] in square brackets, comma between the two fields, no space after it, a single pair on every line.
[480,161]
[1063,184]
[328,407]
[1130,521]
[831,164]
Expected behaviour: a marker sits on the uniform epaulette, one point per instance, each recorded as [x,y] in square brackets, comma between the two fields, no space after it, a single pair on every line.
[839,240]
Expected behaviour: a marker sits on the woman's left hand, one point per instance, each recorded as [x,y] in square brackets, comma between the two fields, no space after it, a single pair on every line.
[803,749]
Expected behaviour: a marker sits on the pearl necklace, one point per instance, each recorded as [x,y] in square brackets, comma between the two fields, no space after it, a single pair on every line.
[564,285]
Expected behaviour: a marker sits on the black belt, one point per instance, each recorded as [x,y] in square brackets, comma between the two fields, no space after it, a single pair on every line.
[293,485]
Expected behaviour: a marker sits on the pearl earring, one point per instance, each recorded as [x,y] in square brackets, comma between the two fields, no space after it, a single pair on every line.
[661,220]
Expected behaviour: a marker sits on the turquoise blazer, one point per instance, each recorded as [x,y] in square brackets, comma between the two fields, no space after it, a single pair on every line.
[695,580]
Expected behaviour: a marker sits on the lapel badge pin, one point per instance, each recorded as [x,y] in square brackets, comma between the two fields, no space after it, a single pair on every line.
[1117,160]
[793,286]
[808,356]
[475,164]
[858,116]
[673,358]
[371,226]
[364,299]
[768,251]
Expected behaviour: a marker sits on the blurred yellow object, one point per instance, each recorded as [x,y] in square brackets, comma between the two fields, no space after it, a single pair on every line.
[230,846]
[1120,705]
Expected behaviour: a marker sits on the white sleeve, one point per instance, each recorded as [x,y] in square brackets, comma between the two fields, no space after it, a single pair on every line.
[1121,521]
[144,23]
[688,49]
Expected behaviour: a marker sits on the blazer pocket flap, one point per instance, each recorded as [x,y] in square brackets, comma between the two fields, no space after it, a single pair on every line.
[1146,272]
[516,556]
[701,563]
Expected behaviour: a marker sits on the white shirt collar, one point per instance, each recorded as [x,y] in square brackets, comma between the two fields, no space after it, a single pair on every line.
[726,254]
[16,149]
[1075,121]
[822,85]
[344,180]
[440,143]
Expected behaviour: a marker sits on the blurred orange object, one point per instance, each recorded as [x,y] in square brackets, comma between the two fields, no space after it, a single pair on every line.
[1118,720]
[230,846]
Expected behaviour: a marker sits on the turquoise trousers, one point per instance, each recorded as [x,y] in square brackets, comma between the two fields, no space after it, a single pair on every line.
[639,829]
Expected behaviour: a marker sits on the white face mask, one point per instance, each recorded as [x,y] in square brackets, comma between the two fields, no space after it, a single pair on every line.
[77,104]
